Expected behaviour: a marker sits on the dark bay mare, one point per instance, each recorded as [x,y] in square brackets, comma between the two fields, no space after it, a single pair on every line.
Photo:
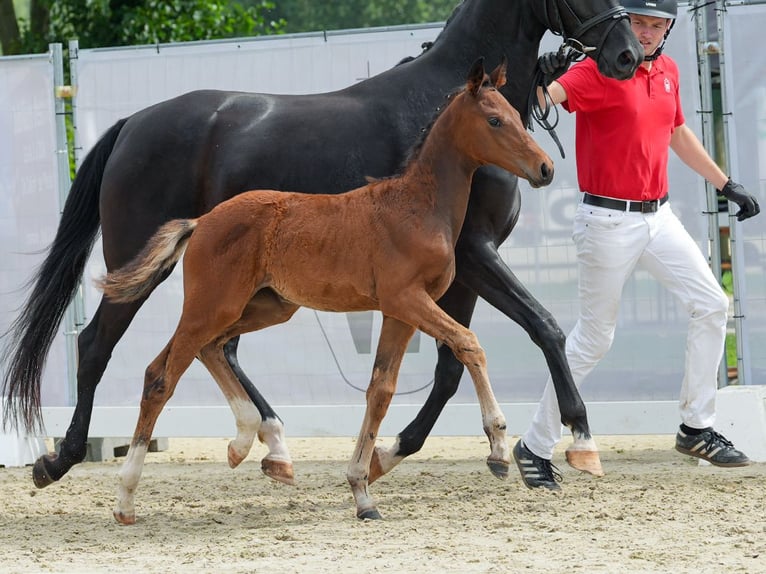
[180,158]
[255,259]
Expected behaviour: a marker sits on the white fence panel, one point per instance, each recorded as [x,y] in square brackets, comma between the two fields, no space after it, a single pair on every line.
[29,194]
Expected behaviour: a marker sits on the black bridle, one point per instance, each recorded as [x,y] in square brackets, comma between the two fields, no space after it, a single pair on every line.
[571,40]
[573,49]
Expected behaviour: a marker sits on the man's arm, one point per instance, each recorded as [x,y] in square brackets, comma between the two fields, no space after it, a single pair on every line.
[687,146]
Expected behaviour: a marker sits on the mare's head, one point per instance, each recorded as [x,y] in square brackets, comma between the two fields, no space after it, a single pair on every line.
[489,130]
[599,28]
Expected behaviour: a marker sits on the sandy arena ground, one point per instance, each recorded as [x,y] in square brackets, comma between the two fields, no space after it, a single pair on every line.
[655,511]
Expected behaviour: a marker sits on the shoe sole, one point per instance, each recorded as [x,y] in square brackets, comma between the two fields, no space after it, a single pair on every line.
[714,463]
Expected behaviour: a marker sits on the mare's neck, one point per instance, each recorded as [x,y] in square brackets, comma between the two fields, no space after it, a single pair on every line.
[493,29]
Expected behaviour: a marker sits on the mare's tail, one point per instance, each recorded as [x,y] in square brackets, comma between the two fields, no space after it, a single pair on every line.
[29,337]
[138,277]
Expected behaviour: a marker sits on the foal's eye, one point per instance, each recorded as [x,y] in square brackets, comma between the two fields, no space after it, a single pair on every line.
[495,122]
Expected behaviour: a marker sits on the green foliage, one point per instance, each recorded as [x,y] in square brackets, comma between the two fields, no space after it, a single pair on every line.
[99,23]
[158,21]
[313,15]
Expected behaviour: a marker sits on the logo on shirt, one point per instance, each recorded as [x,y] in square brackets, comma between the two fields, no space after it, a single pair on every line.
[667,85]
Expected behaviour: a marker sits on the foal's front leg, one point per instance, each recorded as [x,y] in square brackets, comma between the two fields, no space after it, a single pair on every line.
[394,337]
[465,346]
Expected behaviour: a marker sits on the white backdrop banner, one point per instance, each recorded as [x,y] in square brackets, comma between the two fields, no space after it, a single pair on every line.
[29,195]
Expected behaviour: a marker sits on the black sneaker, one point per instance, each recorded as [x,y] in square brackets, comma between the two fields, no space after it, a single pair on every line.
[712,447]
[536,471]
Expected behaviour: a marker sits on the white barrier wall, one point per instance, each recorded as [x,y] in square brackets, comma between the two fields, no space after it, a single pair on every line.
[29,195]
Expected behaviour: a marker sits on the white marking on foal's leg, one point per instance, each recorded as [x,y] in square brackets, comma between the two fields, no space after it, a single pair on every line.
[582,455]
[128,476]
[277,464]
[384,460]
[248,423]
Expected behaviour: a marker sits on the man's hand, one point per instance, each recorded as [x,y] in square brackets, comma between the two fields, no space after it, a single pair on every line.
[553,65]
[748,205]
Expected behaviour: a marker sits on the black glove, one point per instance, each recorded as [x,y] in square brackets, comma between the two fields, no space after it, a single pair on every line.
[553,65]
[748,205]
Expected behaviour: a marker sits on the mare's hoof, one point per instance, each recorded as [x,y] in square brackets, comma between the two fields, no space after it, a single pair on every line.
[124,518]
[499,468]
[278,470]
[585,461]
[371,513]
[376,469]
[40,475]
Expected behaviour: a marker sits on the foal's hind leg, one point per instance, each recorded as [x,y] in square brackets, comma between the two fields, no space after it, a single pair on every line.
[248,419]
[265,309]
[159,383]
[394,337]
[208,310]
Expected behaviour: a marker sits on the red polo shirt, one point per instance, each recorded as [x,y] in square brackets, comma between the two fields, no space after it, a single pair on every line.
[623,128]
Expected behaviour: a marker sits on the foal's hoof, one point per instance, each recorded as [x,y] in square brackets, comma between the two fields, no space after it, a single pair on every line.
[499,468]
[585,460]
[234,457]
[278,470]
[40,474]
[371,513]
[125,518]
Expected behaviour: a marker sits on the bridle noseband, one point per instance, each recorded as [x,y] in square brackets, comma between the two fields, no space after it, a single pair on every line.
[573,49]
[556,25]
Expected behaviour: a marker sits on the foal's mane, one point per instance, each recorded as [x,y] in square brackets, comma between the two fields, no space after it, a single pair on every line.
[414,151]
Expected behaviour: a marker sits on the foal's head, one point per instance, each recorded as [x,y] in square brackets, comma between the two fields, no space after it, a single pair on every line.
[490,131]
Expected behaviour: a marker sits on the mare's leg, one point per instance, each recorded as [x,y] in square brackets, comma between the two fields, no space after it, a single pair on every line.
[94,345]
[459,302]
[394,337]
[263,310]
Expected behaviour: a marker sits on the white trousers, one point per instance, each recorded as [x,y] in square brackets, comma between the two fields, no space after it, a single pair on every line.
[610,245]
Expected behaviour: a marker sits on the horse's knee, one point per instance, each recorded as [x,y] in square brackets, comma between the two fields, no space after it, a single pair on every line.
[549,334]
[469,352]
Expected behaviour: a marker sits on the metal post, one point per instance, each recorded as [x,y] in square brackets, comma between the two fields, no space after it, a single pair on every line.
[737,247]
[704,49]
[74,317]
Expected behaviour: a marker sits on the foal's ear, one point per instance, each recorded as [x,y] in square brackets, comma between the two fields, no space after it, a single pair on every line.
[498,74]
[476,77]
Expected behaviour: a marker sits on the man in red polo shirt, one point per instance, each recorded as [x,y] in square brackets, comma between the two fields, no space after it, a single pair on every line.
[623,132]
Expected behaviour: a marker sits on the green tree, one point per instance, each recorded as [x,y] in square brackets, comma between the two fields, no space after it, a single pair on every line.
[313,15]
[97,23]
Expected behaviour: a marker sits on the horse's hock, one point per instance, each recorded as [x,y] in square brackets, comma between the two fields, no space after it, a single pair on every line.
[741,417]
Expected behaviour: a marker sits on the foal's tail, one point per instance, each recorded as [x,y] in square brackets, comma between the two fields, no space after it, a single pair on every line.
[138,277]
[29,337]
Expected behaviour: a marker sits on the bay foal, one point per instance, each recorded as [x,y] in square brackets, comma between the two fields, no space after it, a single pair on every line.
[255,259]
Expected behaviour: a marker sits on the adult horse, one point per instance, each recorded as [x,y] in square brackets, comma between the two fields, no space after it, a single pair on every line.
[255,259]
[181,157]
